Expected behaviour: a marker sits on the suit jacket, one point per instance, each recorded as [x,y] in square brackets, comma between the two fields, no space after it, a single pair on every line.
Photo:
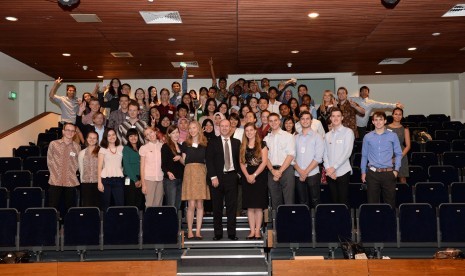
[215,157]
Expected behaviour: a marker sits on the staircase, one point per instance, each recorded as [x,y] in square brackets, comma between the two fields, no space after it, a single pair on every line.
[224,257]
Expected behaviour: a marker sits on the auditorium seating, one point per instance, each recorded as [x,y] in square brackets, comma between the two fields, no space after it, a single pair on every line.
[404,194]
[39,230]
[10,164]
[35,163]
[458,145]
[121,228]
[377,226]
[424,159]
[433,193]
[81,229]
[293,227]
[443,173]
[417,225]
[457,192]
[8,229]
[3,197]
[14,179]
[160,228]
[437,146]
[22,198]
[333,222]
[452,224]
[26,151]
[416,174]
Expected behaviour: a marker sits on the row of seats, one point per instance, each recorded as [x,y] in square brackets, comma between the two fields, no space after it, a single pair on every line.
[84,228]
[24,178]
[434,193]
[429,118]
[378,225]
[446,174]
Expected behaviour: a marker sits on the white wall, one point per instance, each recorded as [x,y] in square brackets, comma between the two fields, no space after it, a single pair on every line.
[425,95]
[418,98]
[9,109]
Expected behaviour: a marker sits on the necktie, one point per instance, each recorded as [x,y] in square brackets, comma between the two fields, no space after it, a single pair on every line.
[227,157]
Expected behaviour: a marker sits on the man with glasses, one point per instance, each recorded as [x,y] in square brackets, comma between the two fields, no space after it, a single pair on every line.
[62,162]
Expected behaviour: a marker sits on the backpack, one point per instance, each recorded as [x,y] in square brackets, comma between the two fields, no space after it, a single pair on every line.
[422,136]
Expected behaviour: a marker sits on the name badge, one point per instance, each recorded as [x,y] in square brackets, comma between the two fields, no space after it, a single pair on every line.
[127,117]
[178,97]
[195,145]
[133,126]
[389,129]
[302,150]
[170,112]
[72,154]
[338,141]
[127,181]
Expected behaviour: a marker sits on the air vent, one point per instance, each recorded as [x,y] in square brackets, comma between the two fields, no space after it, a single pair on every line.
[86,18]
[122,54]
[457,10]
[189,64]
[394,61]
[161,17]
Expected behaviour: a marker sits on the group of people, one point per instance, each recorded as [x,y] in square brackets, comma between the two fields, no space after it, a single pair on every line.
[232,145]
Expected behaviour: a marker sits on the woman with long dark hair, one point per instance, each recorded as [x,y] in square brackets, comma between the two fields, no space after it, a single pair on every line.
[404,138]
[172,165]
[110,169]
[131,168]
[253,158]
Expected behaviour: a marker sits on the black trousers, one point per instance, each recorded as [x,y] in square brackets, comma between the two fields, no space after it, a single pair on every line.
[339,188]
[308,192]
[90,195]
[381,183]
[361,132]
[227,192]
[58,193]
[133,196]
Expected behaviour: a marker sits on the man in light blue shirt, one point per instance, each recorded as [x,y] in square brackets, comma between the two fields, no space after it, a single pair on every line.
[378,171]
[309,149]
[339,142]
[369,105]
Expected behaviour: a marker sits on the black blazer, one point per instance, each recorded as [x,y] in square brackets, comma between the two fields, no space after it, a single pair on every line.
[215,157]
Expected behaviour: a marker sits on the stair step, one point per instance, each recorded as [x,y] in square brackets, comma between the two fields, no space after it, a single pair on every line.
[252,262]
[223,254]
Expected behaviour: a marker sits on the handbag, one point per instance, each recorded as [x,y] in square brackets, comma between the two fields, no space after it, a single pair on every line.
[350,248]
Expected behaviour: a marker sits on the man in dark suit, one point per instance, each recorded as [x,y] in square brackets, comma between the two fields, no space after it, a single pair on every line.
[223,168]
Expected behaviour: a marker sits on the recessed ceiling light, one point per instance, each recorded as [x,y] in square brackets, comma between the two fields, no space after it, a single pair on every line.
[171,39]
[295,51]
[179,53]
[150,0]
[190,76]
[100,77]
[313,15]
[289,64]
[436,34]
[378,72]
[412,48]
[11,18]
[66,54]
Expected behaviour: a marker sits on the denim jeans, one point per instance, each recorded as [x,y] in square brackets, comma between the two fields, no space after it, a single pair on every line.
[172,190]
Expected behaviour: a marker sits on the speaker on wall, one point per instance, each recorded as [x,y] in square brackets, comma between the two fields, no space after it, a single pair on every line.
[68,4]
[390,4]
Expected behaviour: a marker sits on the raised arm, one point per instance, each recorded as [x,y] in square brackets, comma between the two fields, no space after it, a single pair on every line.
[184,80]
[54,89]
[212,72]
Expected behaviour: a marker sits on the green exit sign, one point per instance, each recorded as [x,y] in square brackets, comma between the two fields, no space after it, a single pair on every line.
[12,95]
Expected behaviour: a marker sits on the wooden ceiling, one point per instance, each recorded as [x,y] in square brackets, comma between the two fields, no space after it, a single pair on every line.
[242,36]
